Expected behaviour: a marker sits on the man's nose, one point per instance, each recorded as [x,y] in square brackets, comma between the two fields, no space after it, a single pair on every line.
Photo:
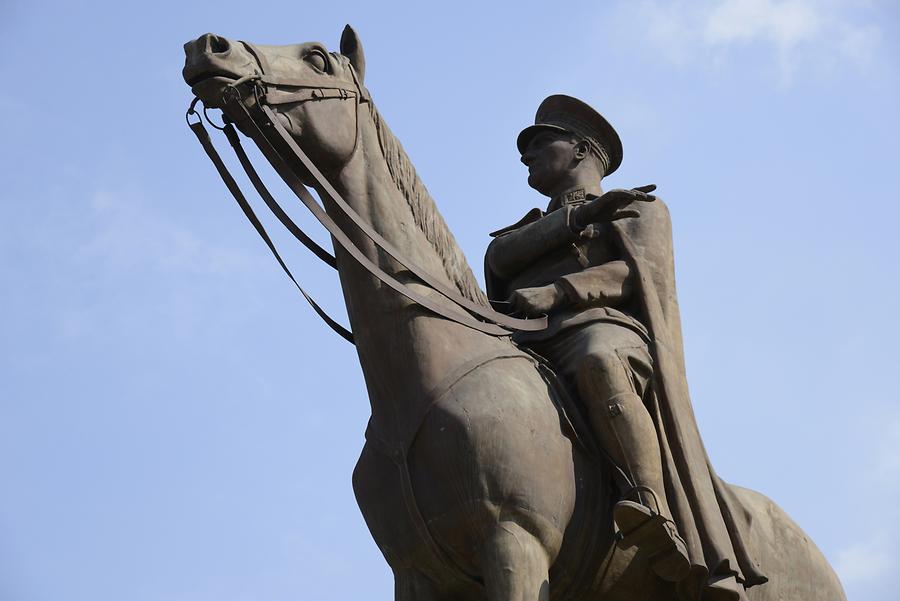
[525,158]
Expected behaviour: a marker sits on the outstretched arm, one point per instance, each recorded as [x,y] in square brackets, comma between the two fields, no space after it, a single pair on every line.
[512,252]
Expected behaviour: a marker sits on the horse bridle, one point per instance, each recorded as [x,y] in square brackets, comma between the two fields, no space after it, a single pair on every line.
[280,149]
[310,88]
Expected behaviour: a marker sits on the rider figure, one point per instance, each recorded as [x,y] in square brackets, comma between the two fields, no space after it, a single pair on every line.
[600,265]
[566,263]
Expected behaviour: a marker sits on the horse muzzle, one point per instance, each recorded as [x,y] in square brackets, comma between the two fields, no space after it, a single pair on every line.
[211,64]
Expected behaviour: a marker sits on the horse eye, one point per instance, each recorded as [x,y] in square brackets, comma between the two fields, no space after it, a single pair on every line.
[317,60]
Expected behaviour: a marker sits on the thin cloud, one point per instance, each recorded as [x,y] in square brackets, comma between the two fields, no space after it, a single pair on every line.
[886,467]
[120,263]
[783,24]
[128,235]
[866,566]
[791,34]
[867,562]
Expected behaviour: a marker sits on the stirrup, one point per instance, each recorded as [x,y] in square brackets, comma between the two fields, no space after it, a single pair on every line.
[634,492]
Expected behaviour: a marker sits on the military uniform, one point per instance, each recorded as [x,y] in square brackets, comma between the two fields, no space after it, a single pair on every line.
[599,319]
[616,341]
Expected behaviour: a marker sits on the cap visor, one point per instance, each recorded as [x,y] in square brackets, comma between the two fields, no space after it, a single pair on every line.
[531,131]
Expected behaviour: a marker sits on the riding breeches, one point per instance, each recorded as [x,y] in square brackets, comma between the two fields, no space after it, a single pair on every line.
[599,361]
[610,368]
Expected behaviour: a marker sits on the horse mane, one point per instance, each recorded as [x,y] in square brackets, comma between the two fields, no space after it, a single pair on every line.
[425,213]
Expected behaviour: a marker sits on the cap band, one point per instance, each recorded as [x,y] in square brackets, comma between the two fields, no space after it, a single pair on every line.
[580,129]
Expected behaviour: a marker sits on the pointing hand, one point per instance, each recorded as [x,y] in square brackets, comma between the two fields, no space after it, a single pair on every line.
[613,205]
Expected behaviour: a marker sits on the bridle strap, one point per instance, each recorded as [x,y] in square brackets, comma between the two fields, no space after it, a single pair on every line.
[340,237]
[511,323]
[276,97]
[231,184]
[259,56]
[313,89]
[311,86]
[270,201]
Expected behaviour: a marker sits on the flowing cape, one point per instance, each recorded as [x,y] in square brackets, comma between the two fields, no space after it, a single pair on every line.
[712,520]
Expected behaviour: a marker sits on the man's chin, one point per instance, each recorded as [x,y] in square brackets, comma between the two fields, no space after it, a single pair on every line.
[536,184]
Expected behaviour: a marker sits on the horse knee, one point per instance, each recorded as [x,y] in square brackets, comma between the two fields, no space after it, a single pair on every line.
[515,565]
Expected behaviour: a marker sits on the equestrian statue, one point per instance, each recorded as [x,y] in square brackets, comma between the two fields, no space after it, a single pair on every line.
[535,442]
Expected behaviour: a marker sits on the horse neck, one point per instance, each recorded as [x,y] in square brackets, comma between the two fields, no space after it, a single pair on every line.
[404,351]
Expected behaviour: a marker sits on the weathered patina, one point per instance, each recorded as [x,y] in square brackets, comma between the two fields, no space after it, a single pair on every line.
[474,481]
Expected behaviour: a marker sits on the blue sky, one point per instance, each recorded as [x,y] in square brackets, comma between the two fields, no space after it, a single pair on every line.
[175,423]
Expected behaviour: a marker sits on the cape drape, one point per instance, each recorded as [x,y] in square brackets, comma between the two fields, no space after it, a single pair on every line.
[711,519]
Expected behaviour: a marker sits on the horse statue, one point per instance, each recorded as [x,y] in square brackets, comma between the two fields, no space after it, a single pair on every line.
[473,481]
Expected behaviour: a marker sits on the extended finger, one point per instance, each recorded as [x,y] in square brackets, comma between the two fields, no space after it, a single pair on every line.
[634,194]
[625,214]
[623,197]
[637,195]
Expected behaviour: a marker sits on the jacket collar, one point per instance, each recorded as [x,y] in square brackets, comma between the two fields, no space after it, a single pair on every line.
[576,196]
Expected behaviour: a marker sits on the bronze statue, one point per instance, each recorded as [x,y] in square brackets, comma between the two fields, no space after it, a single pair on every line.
[479,478]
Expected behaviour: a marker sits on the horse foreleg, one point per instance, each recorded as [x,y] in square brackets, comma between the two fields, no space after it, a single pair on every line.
[515,565]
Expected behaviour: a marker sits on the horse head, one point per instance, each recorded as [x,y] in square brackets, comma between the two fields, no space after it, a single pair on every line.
[314,93]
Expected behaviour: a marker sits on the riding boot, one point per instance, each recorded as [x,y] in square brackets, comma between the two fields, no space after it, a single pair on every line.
[626,431]
[654,535]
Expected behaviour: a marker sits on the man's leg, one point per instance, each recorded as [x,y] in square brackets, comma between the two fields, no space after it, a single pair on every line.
[622,423]
[612,374]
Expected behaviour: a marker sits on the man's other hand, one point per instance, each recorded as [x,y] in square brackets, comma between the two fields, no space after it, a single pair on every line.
[536,301]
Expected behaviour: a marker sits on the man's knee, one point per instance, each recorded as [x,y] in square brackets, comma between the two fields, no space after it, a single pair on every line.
[601,376]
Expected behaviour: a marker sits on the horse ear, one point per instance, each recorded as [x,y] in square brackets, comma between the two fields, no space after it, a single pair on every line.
[352,48]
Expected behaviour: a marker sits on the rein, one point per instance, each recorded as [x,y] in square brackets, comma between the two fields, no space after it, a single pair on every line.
[279,148]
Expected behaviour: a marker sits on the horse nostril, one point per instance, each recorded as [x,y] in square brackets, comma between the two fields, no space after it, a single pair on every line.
[212,44]
[219,45]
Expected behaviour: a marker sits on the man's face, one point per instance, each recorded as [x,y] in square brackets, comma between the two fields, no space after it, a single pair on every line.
[549,156]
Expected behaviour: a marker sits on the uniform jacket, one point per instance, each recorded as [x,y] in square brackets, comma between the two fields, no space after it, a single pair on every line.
[542,249]
[538,251]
